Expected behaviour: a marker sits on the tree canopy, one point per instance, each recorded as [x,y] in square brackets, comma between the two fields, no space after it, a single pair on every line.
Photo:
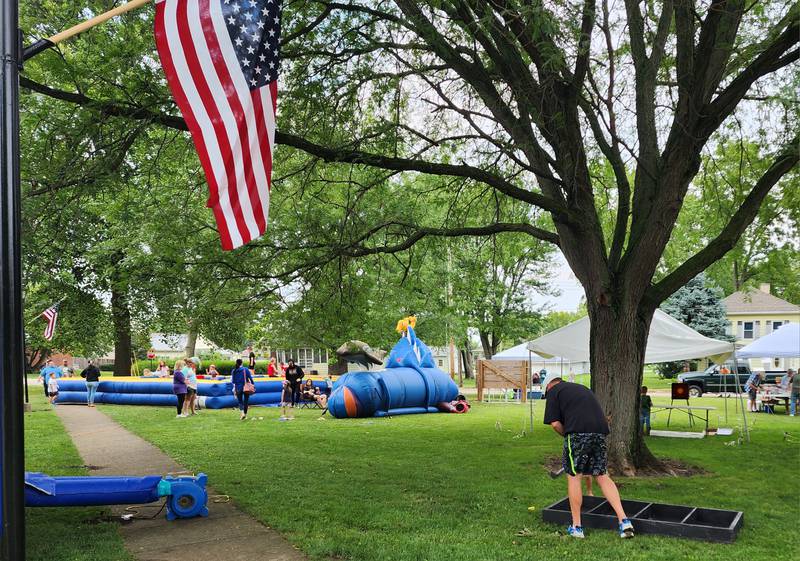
[576,123]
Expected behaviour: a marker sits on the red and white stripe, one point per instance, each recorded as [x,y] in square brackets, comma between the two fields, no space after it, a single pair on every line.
[233,128]
[50,314]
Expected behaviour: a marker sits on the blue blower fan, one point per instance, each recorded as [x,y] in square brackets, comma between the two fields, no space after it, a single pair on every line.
[186,496]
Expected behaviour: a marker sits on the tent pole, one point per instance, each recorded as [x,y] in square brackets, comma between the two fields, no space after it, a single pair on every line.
[725,389]
[739,391]
[530,385]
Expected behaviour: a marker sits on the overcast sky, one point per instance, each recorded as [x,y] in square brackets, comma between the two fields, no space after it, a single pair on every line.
[564,280]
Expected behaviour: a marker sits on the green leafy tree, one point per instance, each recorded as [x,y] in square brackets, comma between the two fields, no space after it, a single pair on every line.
[504,101]
[699,305]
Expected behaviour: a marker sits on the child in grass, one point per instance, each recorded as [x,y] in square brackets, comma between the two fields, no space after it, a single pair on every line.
[645,405]
[52,390]
[287,390]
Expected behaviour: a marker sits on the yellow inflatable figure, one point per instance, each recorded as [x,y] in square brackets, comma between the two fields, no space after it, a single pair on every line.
[403,324]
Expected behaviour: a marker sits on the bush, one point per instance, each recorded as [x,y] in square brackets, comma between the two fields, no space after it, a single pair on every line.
[670,370]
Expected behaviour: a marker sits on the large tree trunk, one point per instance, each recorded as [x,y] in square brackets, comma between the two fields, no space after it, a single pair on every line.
[488,351]
[466,355]
[618,339]
[191,341]
[122,331]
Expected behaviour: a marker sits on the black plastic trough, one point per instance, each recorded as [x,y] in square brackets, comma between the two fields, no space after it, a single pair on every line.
[653,518]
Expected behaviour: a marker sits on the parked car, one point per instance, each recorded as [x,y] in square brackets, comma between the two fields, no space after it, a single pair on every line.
[711,381]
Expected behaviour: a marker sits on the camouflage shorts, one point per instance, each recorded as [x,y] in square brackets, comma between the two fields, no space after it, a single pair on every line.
[585,453]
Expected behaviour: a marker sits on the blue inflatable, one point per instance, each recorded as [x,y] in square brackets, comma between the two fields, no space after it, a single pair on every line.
[217,395]
[411,383]
[186,496]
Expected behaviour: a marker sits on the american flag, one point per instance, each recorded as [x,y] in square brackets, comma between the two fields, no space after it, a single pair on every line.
[51,315]
[221,62]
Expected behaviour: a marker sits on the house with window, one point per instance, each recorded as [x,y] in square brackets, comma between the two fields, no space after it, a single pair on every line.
[755,313]
[307,358]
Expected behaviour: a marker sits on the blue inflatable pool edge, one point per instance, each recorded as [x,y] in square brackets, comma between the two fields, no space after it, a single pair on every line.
[218,395]
[186,496]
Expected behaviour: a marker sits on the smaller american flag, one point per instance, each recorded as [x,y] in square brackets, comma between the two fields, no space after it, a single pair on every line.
[51,315]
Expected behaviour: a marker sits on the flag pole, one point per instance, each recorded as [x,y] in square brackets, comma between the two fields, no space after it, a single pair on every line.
[43,44]
[12,340]
[12,321]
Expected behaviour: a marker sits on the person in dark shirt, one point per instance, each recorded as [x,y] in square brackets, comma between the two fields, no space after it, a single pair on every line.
[574,412]
[645,405]
[251,360]
[92,375]
[293,376]
[239,377]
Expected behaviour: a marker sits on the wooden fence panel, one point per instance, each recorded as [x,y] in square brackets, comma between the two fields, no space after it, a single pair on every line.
[503,374]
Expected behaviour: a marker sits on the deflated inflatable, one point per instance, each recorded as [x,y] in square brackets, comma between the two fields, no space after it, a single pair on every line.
[411,383]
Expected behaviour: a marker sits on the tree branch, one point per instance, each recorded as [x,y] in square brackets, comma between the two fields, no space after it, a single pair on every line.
[730,234]
[420,233]
[341,155]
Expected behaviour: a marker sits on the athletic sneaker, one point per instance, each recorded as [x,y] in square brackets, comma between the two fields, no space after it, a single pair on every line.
[625,529]
[575,531]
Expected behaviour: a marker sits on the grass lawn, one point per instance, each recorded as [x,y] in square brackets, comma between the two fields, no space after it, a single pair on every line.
[443,487]
[63,534]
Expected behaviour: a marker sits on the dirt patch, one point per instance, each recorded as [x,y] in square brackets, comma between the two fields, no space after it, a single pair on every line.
[668,467]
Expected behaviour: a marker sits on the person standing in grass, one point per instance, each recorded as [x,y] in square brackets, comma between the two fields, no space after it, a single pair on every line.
[294,375]
[239,377]
[190,373]
[645,405]
[795,395]
[251,360]
[751,387]
[574,412]
[66,370]
[52,390]
[92,375]
[179,386]
[46,373]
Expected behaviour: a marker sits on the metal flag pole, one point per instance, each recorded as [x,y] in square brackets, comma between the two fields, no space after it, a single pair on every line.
[12,340]
[43,44]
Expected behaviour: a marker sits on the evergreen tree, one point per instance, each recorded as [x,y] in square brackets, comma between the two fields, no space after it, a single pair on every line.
[699,305]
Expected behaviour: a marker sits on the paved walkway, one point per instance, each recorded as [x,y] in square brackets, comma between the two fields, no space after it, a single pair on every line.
[227,534]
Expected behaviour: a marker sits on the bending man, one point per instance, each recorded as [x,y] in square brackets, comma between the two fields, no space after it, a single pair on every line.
[574,412]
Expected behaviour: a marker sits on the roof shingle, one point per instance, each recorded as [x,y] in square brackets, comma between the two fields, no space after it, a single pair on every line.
[757,301]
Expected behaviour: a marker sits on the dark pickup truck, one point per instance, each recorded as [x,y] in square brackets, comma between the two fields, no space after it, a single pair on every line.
[711,381]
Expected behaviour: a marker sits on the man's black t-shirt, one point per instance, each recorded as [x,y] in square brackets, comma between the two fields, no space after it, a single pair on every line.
[576,407]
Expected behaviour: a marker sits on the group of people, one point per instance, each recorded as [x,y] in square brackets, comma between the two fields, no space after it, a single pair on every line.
[184,383]
[50,374]
[184,386]
[789,382]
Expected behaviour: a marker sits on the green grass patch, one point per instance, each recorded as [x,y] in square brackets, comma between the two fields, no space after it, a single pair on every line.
[65,533]
[443,487]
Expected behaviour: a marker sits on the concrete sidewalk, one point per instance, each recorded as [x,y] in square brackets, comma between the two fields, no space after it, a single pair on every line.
[227,534]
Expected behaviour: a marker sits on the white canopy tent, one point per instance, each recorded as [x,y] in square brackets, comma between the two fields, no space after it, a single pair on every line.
[781,343]
[554,363]
[669,340]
